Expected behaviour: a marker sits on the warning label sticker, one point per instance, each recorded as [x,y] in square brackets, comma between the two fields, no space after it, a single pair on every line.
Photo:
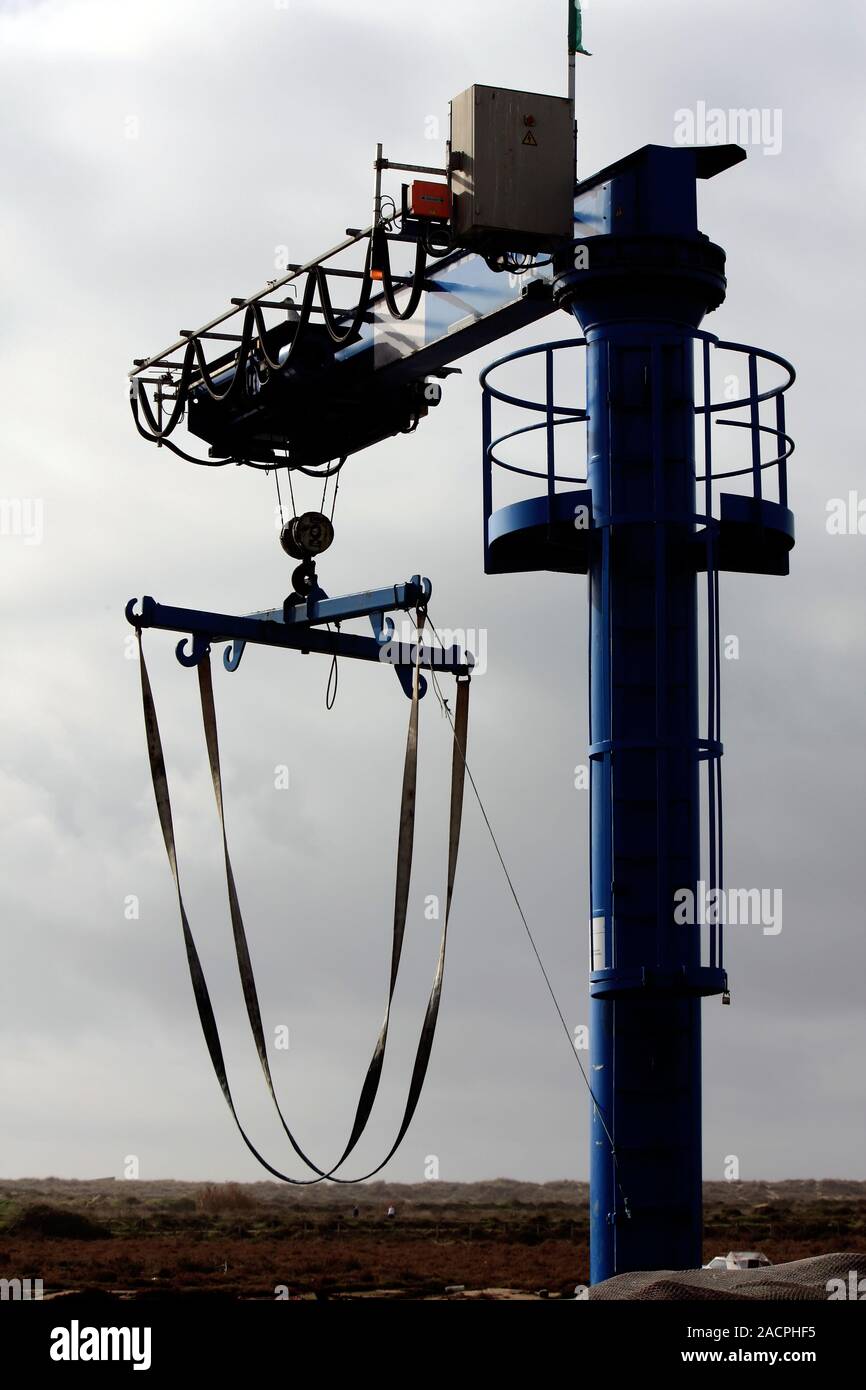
[529,139]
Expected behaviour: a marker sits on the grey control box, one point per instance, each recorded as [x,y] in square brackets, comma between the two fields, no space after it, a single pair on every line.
[511,169]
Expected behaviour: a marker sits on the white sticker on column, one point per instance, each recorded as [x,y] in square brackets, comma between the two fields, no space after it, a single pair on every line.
[599,960]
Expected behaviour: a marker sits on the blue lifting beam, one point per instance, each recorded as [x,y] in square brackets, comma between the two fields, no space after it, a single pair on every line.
[298,625]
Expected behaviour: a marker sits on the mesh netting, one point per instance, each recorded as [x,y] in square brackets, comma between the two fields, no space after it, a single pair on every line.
[799,1280]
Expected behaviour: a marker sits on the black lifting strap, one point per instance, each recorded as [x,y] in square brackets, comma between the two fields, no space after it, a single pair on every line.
[404,866]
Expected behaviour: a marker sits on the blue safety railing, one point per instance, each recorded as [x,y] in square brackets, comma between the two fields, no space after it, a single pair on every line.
[554,415]
[750,530]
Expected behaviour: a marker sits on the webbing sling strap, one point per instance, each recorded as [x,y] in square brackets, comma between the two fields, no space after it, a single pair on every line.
[405,844]
[404,864]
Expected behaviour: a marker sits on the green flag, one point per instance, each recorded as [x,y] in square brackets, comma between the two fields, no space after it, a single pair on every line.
[575,29]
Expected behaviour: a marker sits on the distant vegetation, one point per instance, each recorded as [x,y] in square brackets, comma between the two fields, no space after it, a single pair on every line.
[246,1239]
[54,1223]
[225,1196]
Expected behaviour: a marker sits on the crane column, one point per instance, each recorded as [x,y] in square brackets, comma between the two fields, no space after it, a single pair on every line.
[644,289]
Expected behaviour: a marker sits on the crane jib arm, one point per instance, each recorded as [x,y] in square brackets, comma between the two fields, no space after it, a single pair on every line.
[333,400]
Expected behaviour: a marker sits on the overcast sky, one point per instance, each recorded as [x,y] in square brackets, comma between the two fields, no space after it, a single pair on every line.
[154,158]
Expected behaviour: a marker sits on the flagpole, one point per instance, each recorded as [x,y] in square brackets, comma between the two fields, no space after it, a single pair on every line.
[572,85]
[575,46]
[572,97]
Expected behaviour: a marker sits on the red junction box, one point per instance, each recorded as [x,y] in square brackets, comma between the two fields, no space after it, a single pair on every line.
[430,200]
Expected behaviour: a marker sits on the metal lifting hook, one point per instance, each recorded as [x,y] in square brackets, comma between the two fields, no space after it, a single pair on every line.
[199,648]
[233,653]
